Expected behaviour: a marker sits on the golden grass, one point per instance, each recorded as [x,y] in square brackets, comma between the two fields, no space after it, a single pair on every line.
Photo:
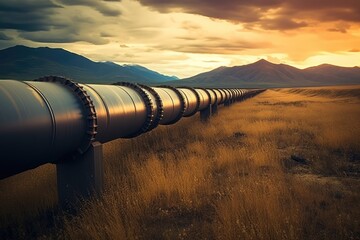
[282,165]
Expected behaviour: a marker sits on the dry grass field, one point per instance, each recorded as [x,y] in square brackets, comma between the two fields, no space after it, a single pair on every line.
[282,165]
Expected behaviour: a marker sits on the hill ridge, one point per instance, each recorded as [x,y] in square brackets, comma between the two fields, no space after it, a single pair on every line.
[25,63]
[263,73]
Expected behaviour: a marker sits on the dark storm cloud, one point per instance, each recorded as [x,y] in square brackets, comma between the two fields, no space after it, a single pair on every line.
[27,15]
[95,4]
[245,11]
[289,14]
[282,24]
[62,36]
[26,6]
[53,21]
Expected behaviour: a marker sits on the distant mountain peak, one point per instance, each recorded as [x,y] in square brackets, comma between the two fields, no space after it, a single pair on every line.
[262,61]
[325,65]
[263,73]
[26,63]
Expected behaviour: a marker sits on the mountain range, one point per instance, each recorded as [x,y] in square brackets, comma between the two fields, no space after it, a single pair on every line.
[264,74]
[25,63]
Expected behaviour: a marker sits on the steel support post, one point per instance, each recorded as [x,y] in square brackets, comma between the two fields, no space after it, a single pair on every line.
[205,113]
[214,109]
[80,177]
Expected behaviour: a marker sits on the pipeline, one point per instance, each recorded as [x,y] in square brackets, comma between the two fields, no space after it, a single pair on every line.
[52,118]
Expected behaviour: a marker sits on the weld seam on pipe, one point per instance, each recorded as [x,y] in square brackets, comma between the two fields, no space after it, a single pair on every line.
[51,111]
[197,101]
[103,103]
[160,108]
[91,119]
[182,104]
[211,90]
[148,105]
[209,97]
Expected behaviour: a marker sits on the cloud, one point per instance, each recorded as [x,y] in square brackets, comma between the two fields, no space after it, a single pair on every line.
[243,11]
[214,47]
[282,24]
[27,6]
[28,15]
[340,27]
[190,25]
[273,59]
[188,36]
[98,5]
[354,50]
[63,36]
[3,36]
[59,21]
[266,14]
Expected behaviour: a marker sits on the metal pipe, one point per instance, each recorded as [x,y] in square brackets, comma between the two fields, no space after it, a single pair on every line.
[38,122]
[192,100]
[229,94]
[225,95]
[173,104]
[219,96]
[121,111]
[213,98]
[204,98]
[237,94]
[54,118]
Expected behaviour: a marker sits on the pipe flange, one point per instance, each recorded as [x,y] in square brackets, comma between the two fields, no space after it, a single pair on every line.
[148,105]
[206,93]
[216,99]
[87,103]
[159,104]
[225,94]
[182,103]
[197,99]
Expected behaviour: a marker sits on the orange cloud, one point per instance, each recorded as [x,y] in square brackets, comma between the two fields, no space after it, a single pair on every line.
[266,14]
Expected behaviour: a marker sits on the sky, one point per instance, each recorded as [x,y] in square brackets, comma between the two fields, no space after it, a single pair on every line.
[187,37]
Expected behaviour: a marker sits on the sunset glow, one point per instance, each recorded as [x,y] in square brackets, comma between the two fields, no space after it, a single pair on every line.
[184,38]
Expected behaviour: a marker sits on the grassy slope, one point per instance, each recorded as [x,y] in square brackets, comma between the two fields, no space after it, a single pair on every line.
[233,178]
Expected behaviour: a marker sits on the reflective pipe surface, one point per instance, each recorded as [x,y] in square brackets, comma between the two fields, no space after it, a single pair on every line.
[225,95]
[192,102]
[204,98]
[237,94]
[229,94]
[38,122]
[213,98]
[218,96]
[121,111]
[232,95]
[173,104]
[52,119]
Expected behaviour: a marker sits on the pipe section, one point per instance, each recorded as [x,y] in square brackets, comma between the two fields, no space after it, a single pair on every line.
[173,104]
[39,121]
[53,118]
[204,98]
[192,100]
[213,98]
